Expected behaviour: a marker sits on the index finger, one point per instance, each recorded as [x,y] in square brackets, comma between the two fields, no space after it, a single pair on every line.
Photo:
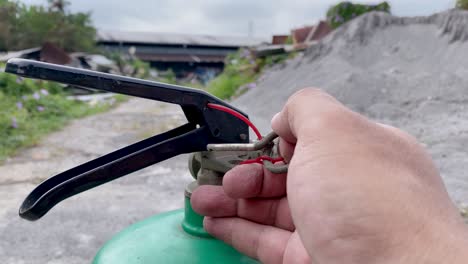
[253,180]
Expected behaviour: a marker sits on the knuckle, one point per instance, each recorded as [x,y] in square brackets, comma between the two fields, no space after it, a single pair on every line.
[330,117]
[307,93]
[314,109]
[404,136]
[311,97]
[327,120]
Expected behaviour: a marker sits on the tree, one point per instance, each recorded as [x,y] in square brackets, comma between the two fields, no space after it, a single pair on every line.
[7,19]
[346,11]
[31,26]
[463,4]
[58,5]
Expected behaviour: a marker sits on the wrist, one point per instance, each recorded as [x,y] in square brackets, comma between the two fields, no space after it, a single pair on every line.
[456,248]
[437,244]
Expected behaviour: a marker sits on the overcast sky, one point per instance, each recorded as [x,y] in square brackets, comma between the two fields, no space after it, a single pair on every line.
[224,17]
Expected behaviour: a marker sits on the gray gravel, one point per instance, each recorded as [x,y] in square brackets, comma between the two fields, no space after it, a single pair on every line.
[408,72]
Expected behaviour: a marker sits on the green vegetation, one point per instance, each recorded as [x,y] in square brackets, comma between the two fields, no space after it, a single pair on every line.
[132,67]
[242,70]
[168,77]
[463,4]
[29,109]
[345,11]
[275,59]
[23,27]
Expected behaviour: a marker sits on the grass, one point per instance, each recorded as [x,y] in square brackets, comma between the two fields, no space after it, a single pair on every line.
[242,70]
[30,109]
[225,85]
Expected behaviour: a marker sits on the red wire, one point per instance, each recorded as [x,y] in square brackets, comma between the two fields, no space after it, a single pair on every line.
[238,115]
[261,159]
[251,125]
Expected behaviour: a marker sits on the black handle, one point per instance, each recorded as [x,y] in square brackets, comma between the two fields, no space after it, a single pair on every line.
[193,101]
[164,92]
[204,126]
[184,139]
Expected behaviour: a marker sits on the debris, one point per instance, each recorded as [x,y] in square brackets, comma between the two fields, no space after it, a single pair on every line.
[53,54]
[93,99]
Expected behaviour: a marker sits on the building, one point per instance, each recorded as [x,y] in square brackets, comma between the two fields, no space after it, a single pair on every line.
[183,53]
[48,52]
[303,37]
[280,39]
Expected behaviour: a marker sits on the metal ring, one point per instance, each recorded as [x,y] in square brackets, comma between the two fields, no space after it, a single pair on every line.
[276,169]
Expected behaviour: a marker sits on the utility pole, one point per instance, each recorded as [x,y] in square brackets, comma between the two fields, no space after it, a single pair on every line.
[251,28]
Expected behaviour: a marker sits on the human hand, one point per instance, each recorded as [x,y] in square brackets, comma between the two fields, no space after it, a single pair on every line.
[356,192]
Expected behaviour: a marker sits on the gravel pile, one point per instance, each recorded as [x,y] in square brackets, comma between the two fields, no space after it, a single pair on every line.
[410,72]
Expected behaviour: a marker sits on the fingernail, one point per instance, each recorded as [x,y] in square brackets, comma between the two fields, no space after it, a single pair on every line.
[275,117]
[208,223]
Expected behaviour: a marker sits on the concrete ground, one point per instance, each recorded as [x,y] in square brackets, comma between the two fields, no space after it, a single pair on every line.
[74,230]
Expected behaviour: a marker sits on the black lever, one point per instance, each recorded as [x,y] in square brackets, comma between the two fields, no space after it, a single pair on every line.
[205,126]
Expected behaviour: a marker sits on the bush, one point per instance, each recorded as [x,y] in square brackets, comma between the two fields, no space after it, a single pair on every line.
[346,11]
[128,65]
[463,4]
[225,85]
[15,86]
[30,109]
[242,70]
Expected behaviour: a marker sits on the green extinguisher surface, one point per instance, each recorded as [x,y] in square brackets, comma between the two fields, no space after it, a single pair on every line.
[172,237]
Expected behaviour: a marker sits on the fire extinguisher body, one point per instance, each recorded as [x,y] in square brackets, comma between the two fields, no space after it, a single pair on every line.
[173,237]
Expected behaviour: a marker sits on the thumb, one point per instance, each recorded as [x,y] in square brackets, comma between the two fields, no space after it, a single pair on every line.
[302,110]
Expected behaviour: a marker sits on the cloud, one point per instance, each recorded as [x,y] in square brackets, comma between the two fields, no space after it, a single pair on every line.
[227,17]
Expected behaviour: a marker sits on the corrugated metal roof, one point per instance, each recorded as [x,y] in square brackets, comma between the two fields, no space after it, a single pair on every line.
[180,58]
[180,39]
[18,54]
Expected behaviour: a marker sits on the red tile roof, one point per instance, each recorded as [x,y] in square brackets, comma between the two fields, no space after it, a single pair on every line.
[319,32]
[300,35]
[279,39]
